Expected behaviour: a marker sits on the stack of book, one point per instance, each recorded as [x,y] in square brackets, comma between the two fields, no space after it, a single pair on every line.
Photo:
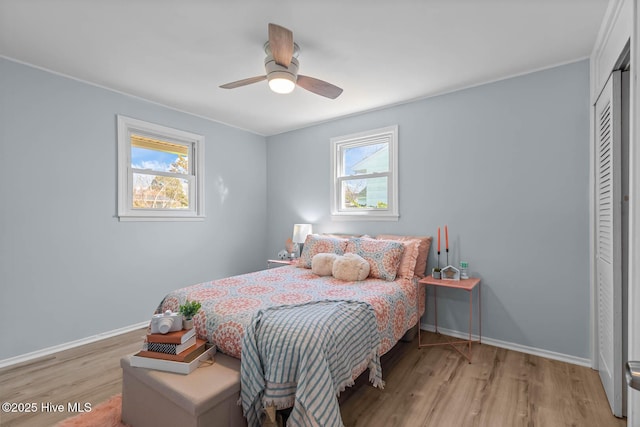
[174,351]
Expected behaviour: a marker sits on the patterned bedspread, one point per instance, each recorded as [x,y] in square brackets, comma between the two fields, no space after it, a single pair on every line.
[303,356]
[230,304]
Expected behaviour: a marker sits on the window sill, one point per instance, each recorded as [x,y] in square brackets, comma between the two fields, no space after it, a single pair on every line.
[125,218]
[364,217]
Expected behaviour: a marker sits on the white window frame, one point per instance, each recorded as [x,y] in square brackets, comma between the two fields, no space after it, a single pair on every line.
[387,134]
[128,126]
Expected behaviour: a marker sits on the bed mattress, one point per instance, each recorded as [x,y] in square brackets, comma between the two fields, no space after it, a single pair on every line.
[230,304]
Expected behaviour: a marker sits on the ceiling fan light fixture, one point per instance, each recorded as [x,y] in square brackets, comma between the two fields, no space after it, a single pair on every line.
[281,79]
[282,84]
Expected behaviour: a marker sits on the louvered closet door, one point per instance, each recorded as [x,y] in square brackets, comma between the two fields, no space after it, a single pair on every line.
[608,249]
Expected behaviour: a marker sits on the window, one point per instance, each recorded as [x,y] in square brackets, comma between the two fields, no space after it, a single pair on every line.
[160,172]
[364,168]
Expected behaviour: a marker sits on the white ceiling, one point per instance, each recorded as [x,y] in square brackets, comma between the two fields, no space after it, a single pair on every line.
[381,53]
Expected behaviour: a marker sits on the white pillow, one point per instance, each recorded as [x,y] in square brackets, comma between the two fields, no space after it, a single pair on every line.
[322,264]
[351,267]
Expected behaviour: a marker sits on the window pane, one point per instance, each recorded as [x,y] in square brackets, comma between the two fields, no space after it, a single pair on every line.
[370,193]
[157,155]
[366,159]
[159,192]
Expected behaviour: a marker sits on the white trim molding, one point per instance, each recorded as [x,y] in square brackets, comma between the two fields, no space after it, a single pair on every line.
[72,344]
[633,396]
[339,146]
[192,143]
[581,361]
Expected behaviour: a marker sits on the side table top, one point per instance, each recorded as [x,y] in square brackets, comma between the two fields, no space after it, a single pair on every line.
[467,284]
[281,261]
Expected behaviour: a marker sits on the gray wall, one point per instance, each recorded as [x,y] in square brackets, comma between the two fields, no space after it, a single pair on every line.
[506,166]
[68,268]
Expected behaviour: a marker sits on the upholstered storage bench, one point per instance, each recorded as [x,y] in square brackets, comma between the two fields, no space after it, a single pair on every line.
[206,397]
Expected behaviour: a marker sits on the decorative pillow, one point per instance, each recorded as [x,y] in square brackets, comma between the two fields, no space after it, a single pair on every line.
[383,256]
[315,244]
[423,250]
[322,264]
[407,266]
[350,267]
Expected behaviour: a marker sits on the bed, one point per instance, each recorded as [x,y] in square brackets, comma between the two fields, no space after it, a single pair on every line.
[385,305]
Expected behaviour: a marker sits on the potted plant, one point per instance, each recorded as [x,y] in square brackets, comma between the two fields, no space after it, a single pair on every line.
[188,310]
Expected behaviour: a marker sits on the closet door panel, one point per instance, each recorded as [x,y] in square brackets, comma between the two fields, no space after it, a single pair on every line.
[608,240]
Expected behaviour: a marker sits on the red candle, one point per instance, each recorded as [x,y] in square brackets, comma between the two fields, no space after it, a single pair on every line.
[438,239]
[446,236]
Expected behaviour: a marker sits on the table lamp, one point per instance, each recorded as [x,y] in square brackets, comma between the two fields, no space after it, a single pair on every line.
[300,233]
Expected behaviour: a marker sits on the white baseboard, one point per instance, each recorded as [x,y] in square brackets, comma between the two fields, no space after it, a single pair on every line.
[66,346]
[425,327]
[512,346]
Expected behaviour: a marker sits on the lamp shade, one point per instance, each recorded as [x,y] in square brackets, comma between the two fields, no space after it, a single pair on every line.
[300,232]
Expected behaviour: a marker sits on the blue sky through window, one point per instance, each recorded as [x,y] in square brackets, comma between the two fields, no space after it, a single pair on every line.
[355,155]
[142,158]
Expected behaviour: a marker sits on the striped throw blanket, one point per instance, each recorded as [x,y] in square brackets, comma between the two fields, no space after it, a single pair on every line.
[303,356]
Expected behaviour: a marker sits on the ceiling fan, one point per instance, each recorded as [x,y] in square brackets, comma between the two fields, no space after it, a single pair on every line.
[281,65]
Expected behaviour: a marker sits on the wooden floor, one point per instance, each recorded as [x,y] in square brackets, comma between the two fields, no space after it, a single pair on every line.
[86,374]
[432,386]
[436,387]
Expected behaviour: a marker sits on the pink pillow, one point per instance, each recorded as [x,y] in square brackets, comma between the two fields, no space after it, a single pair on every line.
[383,256]
[315,244]
[409,259]
[423,250]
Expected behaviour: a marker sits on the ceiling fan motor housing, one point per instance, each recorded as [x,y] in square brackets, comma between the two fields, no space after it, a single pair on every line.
[276,71]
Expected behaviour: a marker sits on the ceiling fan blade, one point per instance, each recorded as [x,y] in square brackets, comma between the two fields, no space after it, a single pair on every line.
[281,44]
[243,82]
[319,87]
